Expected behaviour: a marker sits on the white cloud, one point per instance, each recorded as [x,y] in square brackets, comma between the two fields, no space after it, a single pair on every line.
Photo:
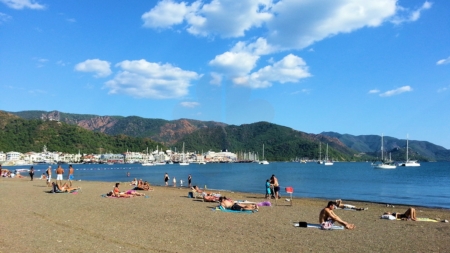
[290,69]
[216,78]
[165,14]
[21,4]
[71,20]
[305,91]
[443,89]
[409,16]
[396,91]
[99,67]
[4,18]
[190,104]
[210,18]
[288,24]
[143,79]
[443,61]
[299,24]
[374,91]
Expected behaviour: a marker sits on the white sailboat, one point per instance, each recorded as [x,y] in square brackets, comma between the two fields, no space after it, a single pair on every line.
[383,164]
[184,162]
[320,154]
[327,161]
[409,163]
[263,161]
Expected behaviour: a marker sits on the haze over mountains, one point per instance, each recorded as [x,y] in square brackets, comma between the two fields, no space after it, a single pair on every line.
[281,143]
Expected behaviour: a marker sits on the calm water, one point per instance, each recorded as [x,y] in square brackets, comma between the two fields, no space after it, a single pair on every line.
[428,185]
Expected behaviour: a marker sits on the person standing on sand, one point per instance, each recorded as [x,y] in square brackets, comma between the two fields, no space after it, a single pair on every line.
[49,176]
[327,217]
[31,173]
[190,180]
[174,182]
[59,175]
[276,186]
[268,191]
[166,179]
[70,177]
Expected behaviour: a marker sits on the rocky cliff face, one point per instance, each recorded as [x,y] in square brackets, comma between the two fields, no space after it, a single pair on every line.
[174,131]
[54,115]
[100,124]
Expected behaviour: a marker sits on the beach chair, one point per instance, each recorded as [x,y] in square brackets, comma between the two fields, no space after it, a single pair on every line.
[289,190]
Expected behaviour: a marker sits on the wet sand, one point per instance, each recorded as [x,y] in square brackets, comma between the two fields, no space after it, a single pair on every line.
[168,221]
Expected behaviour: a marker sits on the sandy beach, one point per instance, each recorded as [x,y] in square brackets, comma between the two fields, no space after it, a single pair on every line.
[168,221]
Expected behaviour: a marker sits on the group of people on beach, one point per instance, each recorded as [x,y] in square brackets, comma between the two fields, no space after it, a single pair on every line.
[141,185]
[59,176]
[327,217]
[272,188]
[116,192]
[174,180]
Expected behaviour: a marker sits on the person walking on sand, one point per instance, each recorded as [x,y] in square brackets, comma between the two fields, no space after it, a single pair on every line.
[59,175]
[31,173]
[166,179]
[190,180]
[49,176]
[174,182]
[70,177]
[327,217]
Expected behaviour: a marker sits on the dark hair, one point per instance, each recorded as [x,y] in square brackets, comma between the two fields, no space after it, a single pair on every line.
[331,203]
[117,184]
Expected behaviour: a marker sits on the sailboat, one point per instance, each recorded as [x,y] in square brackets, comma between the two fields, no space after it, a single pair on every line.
[263,161]
[320,154]
[383,164]
[184,162]
[327,161]
[409,163]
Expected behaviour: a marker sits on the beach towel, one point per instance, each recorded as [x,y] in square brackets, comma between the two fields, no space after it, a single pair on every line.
[311,225]
[221,208]
[427,219]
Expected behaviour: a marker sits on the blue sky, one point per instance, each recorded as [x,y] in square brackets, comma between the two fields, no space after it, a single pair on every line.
[349,66]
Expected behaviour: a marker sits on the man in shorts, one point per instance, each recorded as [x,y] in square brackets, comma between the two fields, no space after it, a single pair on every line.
[49,176]
[70,178]
[327,217]
[59,175]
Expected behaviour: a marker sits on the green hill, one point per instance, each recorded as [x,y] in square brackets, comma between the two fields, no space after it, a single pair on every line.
[17,134]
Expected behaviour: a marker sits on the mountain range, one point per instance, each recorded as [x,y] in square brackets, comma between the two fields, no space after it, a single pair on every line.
[281,143]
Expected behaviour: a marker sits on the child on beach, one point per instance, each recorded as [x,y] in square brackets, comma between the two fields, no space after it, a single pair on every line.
[268,191]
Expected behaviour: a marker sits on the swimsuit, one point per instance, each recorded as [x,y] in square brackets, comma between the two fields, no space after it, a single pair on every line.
[71,177]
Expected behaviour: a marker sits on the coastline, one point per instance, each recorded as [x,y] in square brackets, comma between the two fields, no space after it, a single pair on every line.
[168,221]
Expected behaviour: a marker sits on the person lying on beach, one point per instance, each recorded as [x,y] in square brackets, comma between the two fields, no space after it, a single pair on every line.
[327,217]
[410,214]
[128,194]
[64,188]
[195,188]
[340,204]
[229,204]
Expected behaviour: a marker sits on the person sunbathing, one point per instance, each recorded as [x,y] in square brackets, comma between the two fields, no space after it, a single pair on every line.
[410,214]
[64,188]
[229,204]
[340,204]
[327,217]
[134,182]
[210,198]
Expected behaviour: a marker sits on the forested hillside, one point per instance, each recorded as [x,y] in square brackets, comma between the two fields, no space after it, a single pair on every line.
[22,135]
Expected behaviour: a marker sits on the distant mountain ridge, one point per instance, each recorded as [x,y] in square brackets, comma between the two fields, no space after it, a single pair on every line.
[278,139]
[371,144]
[164,131]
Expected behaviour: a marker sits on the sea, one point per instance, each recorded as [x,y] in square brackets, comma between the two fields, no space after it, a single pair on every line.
[427,185]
